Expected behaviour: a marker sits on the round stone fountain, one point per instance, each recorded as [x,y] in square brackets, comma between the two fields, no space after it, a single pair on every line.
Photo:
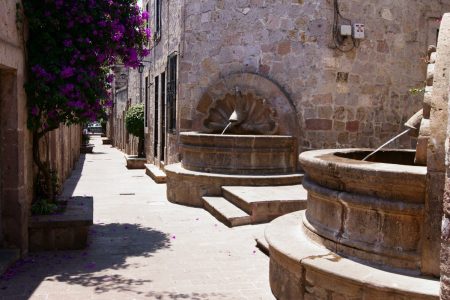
[247,138]
[362,230]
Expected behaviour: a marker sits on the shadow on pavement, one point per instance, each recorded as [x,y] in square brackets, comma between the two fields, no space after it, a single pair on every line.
[100,266]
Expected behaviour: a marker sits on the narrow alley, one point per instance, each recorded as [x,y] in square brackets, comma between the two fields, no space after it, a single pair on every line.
[142,246]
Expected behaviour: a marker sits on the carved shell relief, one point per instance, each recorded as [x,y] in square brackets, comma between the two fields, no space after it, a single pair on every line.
[243,114]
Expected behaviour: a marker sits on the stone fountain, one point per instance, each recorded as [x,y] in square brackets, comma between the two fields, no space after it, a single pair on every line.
[247,138]
[370,230]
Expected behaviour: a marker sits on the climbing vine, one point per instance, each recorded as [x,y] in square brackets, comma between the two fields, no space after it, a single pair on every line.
[70,47]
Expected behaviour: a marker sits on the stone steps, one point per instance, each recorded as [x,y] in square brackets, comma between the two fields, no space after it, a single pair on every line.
[155,173]
[226,212]
[243,205]
[265,203]
[262,244]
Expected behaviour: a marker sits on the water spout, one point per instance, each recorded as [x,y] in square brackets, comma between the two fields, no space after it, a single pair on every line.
[229,124]
[387,143]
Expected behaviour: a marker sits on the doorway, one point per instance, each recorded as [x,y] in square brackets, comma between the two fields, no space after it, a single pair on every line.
[156,120]
[162,123]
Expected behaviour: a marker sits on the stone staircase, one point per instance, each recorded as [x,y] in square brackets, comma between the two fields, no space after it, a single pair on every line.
[155,173]
[243,205]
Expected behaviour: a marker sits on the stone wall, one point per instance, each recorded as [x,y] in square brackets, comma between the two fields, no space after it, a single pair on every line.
[125,95]
[16,165]
[354,99]
[168,42]
[62,149]
[439,150]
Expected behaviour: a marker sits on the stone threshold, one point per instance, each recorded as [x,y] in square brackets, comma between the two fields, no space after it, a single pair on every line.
[106,141]
[134,162]
[155,173]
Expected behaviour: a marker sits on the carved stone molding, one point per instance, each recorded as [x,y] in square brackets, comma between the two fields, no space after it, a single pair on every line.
[253,115]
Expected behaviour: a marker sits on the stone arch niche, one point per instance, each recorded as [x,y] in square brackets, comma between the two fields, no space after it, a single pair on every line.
[265,97]
[260,149]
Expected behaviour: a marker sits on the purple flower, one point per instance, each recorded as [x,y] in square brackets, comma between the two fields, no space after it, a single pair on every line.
[145,52]
[118,31]
[75,104]
[67,72]
[145,15]
[67,89]
[67,43]
[35,111]
[42,73]
[110,78]
[148,32]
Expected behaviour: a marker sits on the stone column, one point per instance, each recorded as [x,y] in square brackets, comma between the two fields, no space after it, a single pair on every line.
[438,157]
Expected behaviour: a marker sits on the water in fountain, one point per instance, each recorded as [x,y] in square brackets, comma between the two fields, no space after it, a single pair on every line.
[229,124]
[387,143]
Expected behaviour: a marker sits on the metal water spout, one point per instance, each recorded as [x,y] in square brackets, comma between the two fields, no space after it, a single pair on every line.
[413,124]
[234,117]
[415,120]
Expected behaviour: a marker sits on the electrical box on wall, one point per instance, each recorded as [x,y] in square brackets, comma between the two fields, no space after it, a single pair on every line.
[346,30]
[358,31]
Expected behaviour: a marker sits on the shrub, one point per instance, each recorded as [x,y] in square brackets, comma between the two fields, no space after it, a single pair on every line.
[134,120]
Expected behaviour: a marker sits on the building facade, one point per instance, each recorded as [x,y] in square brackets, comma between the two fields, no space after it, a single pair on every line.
[355,96]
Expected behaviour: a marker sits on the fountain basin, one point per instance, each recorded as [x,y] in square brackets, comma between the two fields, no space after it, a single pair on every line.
[371,210]
[238,154]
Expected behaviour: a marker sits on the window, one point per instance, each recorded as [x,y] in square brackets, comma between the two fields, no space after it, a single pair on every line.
[163,116]
[146,102]
[158,20]
[172,92]
[156,118]
[147,22]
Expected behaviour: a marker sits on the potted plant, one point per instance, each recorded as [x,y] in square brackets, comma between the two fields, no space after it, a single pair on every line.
[134,123]
[86,147]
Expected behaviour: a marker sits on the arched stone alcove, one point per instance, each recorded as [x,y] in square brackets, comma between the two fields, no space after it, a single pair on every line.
[257,87]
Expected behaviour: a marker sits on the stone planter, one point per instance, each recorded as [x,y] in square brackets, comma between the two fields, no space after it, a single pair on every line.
[87,148]
[135,162]
[63,231]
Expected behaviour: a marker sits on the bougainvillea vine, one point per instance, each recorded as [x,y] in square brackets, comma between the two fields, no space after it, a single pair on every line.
[71,45]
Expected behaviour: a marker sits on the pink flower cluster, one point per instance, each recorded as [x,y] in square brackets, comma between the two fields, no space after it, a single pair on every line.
[72,44]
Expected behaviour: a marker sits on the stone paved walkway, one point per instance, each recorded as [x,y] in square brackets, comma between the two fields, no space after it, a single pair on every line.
[142,246]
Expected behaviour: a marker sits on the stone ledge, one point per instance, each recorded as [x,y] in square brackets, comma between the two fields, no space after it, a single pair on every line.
[188,187]
[64,231]
[88,148]
[135,162]
[298,264]
[155,173]
[7,258]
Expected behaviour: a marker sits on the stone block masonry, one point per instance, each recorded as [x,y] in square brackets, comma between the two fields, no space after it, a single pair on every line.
[17,169]
[355,99]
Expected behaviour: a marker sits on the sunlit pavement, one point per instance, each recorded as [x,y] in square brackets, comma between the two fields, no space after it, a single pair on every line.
[142,246]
